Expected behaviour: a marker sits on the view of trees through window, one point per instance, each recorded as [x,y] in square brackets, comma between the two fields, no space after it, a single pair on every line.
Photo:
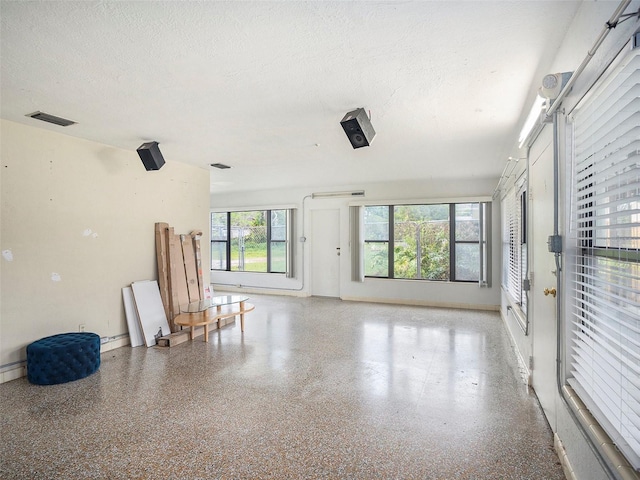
[423,241]
[430,242]
[252,241]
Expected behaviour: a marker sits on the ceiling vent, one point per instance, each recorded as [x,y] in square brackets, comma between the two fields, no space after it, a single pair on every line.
[221,166]
[45,117]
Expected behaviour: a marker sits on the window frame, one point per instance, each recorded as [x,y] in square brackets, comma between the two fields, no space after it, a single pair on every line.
[452,242]
[453,222]
[288,257]
[389,242]
[226,241]
[271,241]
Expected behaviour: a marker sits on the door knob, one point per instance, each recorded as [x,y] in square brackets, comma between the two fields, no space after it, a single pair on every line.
[550,291]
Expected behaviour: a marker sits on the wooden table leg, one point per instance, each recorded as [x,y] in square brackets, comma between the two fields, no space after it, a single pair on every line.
[193,332]
[206,332]
[241,316]
[218,310]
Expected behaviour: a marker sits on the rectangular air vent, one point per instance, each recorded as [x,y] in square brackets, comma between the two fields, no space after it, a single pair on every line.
[221,166]
[45,117]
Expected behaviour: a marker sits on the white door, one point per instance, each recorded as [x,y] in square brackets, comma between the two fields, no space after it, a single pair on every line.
[543,318]
[325,253]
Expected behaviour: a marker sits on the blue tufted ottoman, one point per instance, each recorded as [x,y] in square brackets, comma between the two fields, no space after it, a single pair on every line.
[63,358]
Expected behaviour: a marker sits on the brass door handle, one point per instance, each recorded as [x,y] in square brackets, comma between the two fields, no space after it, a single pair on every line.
[550,291]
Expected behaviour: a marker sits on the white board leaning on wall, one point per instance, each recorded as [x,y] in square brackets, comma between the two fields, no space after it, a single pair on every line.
[133,322]
[151,314]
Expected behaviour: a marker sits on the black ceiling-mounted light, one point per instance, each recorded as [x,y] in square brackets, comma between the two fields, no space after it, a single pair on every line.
[357,125]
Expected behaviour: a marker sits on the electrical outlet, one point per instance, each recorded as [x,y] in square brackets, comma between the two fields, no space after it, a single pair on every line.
[81,327]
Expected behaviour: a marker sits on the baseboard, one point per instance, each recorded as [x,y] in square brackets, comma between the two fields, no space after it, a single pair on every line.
[111,343]
[13,372]
[424,303]
[523,366]
[219,288]
[564,459]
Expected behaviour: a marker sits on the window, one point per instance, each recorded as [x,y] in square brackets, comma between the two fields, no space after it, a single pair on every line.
[424,242]
[421,242]
[250,241]
[604,271]
[467,238]
[277,234]
[219,241]
[376,245]
[514,243]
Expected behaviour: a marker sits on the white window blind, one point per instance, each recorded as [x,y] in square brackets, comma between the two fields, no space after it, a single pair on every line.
[513,248]
[604,296]
[510,222]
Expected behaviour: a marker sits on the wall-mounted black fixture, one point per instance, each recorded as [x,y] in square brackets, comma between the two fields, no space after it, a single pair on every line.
[357,126]
[151,156]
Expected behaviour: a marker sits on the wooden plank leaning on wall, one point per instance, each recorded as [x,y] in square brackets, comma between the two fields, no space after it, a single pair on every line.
[163,267]
[196,235]
[179,270]
[190,269]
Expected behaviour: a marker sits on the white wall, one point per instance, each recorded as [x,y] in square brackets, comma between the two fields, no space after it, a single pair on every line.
[580,462]
[78,218]
[409,292]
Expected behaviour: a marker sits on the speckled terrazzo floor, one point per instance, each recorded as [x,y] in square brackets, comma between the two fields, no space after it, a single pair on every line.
[314,388]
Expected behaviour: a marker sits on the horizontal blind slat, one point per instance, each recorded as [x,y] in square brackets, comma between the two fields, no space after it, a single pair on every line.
[604,285]
[626,73]
[608,310]
[599,317]
[620,116]
[604,352]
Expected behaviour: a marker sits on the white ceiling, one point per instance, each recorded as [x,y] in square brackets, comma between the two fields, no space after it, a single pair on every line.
[262,86]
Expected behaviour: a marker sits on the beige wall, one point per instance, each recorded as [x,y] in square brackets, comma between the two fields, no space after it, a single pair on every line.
[78,220]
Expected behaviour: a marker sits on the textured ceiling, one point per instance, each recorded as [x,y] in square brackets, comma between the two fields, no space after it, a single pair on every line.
[262,86]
